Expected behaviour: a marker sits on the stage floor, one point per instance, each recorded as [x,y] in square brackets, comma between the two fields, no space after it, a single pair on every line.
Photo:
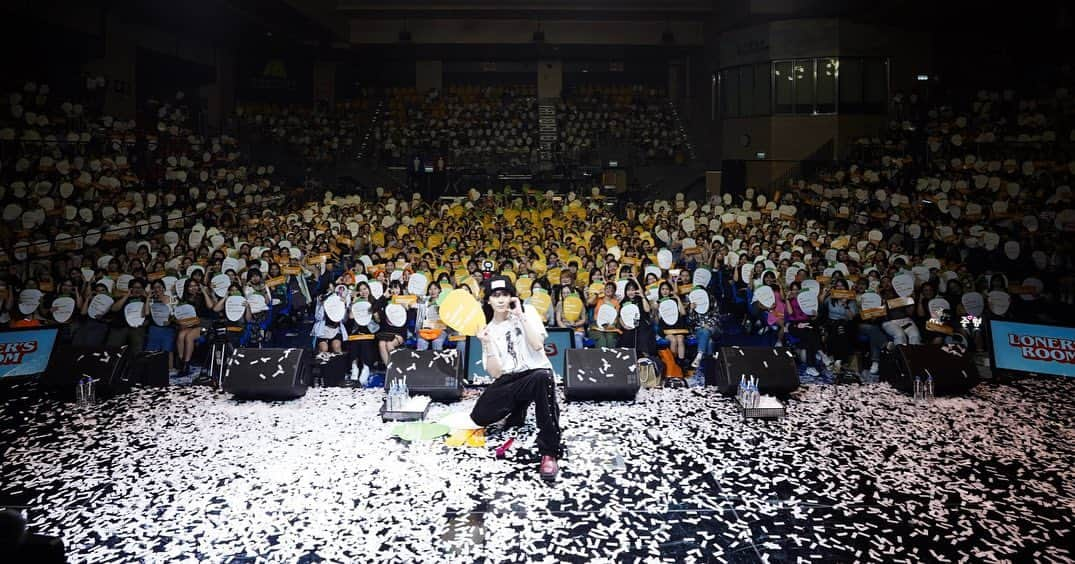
[853,473]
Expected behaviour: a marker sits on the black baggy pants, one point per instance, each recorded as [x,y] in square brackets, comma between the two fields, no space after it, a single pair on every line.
[511,394]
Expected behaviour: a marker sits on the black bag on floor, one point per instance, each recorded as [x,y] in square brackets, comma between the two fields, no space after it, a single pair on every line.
[331,372]
[149,369]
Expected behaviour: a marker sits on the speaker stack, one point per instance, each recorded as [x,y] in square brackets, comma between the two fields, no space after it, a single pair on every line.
[269,374]
[106,365]
[774,368]
[437,374]
[951,367]
[601,374]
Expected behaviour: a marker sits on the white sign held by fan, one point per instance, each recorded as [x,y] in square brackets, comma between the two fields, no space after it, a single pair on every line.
[606,316]
[99,306]
[664,259]
[903,284]
[764,296]
[702,277]
[629,316]
[937,306]
[63,308]
[807,302]
[999,302]
[361,313]
[872,300]
[234,308]
[396,314]
[376,289]
[700,299]
[220,284]
[974,303]
[160,312]
[257,303]
[335,308]
[417,284]
[132,312]
[669,311]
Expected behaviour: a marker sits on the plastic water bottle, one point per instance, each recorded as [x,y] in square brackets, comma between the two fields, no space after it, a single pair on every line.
[742,388]
[929,388]
[393,396]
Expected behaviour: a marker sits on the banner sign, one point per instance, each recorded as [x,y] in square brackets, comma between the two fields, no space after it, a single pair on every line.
[1040,349]
[26,351]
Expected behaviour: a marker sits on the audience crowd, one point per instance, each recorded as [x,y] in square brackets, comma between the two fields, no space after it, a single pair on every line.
[153,237]
[638,116]
[318,135]
[467,125]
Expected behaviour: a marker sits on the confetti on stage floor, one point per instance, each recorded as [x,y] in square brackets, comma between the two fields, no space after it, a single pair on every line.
[853,473]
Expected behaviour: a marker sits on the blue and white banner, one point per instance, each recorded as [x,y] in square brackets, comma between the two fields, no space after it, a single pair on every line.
[1041,349]
[24,352]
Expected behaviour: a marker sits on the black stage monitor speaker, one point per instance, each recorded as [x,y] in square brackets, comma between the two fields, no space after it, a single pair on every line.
[107,366]
[436,374]
[601,374]
[773,367]
[271,374]
[951,366]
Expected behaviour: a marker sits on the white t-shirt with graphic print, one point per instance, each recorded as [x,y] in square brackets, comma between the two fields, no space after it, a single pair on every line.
[511,348]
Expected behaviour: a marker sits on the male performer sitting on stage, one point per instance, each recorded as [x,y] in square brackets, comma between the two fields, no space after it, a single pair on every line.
[513,346]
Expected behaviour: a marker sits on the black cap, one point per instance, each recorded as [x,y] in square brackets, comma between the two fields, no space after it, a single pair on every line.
[499,282]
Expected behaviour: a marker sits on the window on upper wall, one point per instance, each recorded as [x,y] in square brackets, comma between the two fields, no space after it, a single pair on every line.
[746,91]
[804,86]
[762,89]
[851,86]
[825,85]
[731,92]
[827,70]
[784,87]
[874,86]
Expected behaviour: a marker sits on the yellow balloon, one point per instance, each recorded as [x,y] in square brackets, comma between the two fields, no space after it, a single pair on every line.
[510,274]
[597,288]
[541,300]
[523,286]
[402,230]
[460,275]
[572,308]
[582,278]
[436,240]
[461,311]
[377,238]
[539,266]
[553,275]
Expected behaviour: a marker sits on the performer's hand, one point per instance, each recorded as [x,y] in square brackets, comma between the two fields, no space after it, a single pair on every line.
[516,307]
